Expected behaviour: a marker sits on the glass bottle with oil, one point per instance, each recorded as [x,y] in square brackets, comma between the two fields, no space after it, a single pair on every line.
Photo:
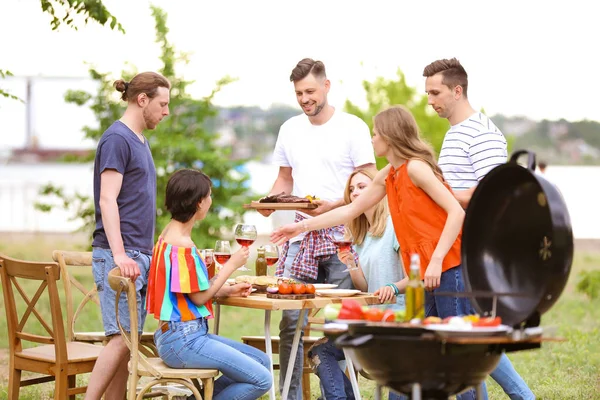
[261,262]
[415,291]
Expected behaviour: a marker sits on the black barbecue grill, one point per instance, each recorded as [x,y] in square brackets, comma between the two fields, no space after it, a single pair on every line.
[517,250]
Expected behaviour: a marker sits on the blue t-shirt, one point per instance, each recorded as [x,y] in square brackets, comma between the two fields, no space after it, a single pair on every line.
[379,261]
[121,150]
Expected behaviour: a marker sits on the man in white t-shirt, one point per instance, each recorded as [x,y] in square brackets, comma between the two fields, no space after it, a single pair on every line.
[472,147]
[316,152]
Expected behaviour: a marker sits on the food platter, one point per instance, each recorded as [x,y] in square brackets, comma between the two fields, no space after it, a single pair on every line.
[321,286]
[449,330]
[255,205]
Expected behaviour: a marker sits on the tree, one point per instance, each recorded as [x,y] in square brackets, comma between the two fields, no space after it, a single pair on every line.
[179,141]
[88,9]
[383,93]
[63,12]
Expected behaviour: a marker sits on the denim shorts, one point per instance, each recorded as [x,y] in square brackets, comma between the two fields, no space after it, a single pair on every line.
[102,263]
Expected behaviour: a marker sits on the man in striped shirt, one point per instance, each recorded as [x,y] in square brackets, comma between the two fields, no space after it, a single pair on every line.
[472,147]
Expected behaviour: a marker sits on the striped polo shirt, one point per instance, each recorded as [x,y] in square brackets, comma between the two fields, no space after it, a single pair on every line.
[470,150]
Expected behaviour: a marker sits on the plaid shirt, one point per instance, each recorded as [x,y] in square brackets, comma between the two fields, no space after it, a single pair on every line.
[315,247]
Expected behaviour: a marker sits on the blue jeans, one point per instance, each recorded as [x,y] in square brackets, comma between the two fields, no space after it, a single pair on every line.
[334,382]
[102,263]
[188,344]
[331,270]
[510,381]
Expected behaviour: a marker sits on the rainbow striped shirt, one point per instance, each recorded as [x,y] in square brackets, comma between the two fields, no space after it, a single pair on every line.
[174,273]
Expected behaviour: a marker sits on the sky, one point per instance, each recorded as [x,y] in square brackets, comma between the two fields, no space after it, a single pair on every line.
[526,58]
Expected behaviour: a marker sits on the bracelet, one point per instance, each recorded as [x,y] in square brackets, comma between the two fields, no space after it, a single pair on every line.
[394,288]
[304,225]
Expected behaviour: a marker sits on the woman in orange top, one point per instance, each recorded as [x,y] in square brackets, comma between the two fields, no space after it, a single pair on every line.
[427,218]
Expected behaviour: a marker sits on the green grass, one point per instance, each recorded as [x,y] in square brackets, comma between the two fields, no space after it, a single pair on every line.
[567,370]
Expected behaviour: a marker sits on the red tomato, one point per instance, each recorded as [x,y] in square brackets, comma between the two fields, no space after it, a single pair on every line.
[374,314]
[488,321]
[285,288]
[310,289]
[298,288]
[388,316]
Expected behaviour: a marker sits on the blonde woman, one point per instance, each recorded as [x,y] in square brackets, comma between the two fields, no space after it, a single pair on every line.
[379,270]
[379,267]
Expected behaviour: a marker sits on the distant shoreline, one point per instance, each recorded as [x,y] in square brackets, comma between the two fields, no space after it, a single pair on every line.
[79,239]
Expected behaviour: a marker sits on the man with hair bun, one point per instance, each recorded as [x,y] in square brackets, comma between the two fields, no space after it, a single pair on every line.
[125,206]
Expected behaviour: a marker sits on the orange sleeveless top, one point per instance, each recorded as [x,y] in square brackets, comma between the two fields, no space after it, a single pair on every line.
[418,220]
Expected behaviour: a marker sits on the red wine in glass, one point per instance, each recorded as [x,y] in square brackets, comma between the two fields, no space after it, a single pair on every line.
[343,245]
[271,260]
[222,258]
[245,242]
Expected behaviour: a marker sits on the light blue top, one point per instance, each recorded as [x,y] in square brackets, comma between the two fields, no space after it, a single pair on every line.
[379,260]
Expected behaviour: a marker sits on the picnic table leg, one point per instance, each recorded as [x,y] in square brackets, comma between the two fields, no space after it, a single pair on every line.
[217,317]
[352,373]
[378,392]
[269,349]
[292,360]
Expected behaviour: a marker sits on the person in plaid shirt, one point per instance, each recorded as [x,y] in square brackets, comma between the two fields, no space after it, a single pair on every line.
[316,152]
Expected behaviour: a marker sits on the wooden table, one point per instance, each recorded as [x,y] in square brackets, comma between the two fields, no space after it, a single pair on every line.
[262,302]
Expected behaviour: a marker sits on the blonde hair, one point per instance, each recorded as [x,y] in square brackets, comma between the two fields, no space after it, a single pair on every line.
[359,226]
[397,126]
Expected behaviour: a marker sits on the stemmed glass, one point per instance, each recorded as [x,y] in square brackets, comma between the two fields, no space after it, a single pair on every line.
[245,235]
[222,251]
[271,255]
[343,240]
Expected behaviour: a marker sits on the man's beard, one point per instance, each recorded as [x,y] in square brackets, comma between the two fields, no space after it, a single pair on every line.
[318,109]
[148,120]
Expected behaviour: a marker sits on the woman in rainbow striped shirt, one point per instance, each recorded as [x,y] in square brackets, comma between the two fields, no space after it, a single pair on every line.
[180,295]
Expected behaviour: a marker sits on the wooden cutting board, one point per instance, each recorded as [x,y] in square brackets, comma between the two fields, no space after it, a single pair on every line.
[255,205]
[291,296]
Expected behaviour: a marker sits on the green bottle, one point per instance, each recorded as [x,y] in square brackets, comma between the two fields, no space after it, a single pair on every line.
[261,262]
[415,291]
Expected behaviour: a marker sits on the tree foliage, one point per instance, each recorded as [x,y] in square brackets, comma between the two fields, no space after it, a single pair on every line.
[382,93]
[63,12]
[179,141]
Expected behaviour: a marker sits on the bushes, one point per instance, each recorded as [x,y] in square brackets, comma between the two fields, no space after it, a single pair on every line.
[589,283]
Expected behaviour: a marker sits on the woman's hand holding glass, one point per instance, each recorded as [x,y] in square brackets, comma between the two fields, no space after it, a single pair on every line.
[347,258]
[239,258]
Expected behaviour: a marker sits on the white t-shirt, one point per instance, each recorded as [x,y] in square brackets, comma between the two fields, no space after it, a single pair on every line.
[323,156]
[470,150]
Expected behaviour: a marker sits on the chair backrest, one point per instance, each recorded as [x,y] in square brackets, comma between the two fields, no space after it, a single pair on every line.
[81,259]
[45,274]
[120,284]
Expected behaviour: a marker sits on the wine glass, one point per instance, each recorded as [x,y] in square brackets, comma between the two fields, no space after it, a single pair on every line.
[343,240]
[271,255]
[222,251]
[209,260]
[245,235]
